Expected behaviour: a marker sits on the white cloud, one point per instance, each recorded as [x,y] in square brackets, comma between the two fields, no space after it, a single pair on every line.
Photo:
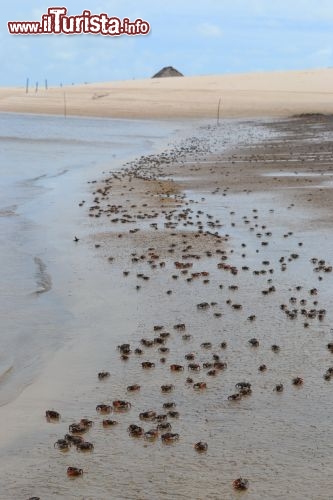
[210,30]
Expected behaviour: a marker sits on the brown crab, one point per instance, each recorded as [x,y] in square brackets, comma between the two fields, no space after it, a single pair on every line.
[73,439]
[167,387]
[109,423]
[164,426]
[135,431]
[199,386]
[52,416]
[176,368]
[147,415]
[240,484]
[133,388]
[151,435]
[74,472]
[234,397]
[201,447]
[62,444]
[169,437]
[85,446]
[147,364]
[103,408]
[78,428]
[190,356]
[119,405]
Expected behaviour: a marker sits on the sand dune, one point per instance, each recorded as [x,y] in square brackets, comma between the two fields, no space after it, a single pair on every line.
[242,95]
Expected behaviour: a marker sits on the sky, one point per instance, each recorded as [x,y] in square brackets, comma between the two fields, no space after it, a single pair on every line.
[197,37]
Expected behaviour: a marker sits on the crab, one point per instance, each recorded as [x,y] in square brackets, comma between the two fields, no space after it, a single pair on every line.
[234,397]
[203,305]
[208,364]
[73,439]
[278,388]
[163,350]
[132,388]
[119,405]
[176,368]
[62,444]
[212,373]
[201,447]
[85,446]
[243,385]
[52,415]
[169,405]
[109,423]
[159,340]
[297,381]
[199,386]
[151,435]
[169,437]
[78,428]
[254,342]
[74,472]
[135,431]
[147,415]
[173,414]
[86,422]
[245,391]
[240,484]
[161,418]
[164,335]
[147,343]
[180,327]
[167,387]
[103,375]
[103,408]
[220,365]
[147,364]
[164,426]
[124,348]
[206,345]
[190,356]
[195,367]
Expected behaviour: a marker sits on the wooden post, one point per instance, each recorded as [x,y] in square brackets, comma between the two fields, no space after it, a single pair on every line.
[65,105]
[218,111]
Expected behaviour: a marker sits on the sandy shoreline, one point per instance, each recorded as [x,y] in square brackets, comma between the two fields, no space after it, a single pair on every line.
[201,205]
[252,95]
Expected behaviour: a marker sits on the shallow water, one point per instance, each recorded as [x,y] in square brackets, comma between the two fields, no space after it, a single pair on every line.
[46,162]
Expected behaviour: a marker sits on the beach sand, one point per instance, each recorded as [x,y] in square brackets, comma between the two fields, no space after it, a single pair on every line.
[246,207]
[242,95]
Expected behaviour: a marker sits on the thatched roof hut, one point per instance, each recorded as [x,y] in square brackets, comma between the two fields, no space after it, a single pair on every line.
[167,72]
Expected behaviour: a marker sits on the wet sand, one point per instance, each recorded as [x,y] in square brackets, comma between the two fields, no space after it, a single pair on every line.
[214,235]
